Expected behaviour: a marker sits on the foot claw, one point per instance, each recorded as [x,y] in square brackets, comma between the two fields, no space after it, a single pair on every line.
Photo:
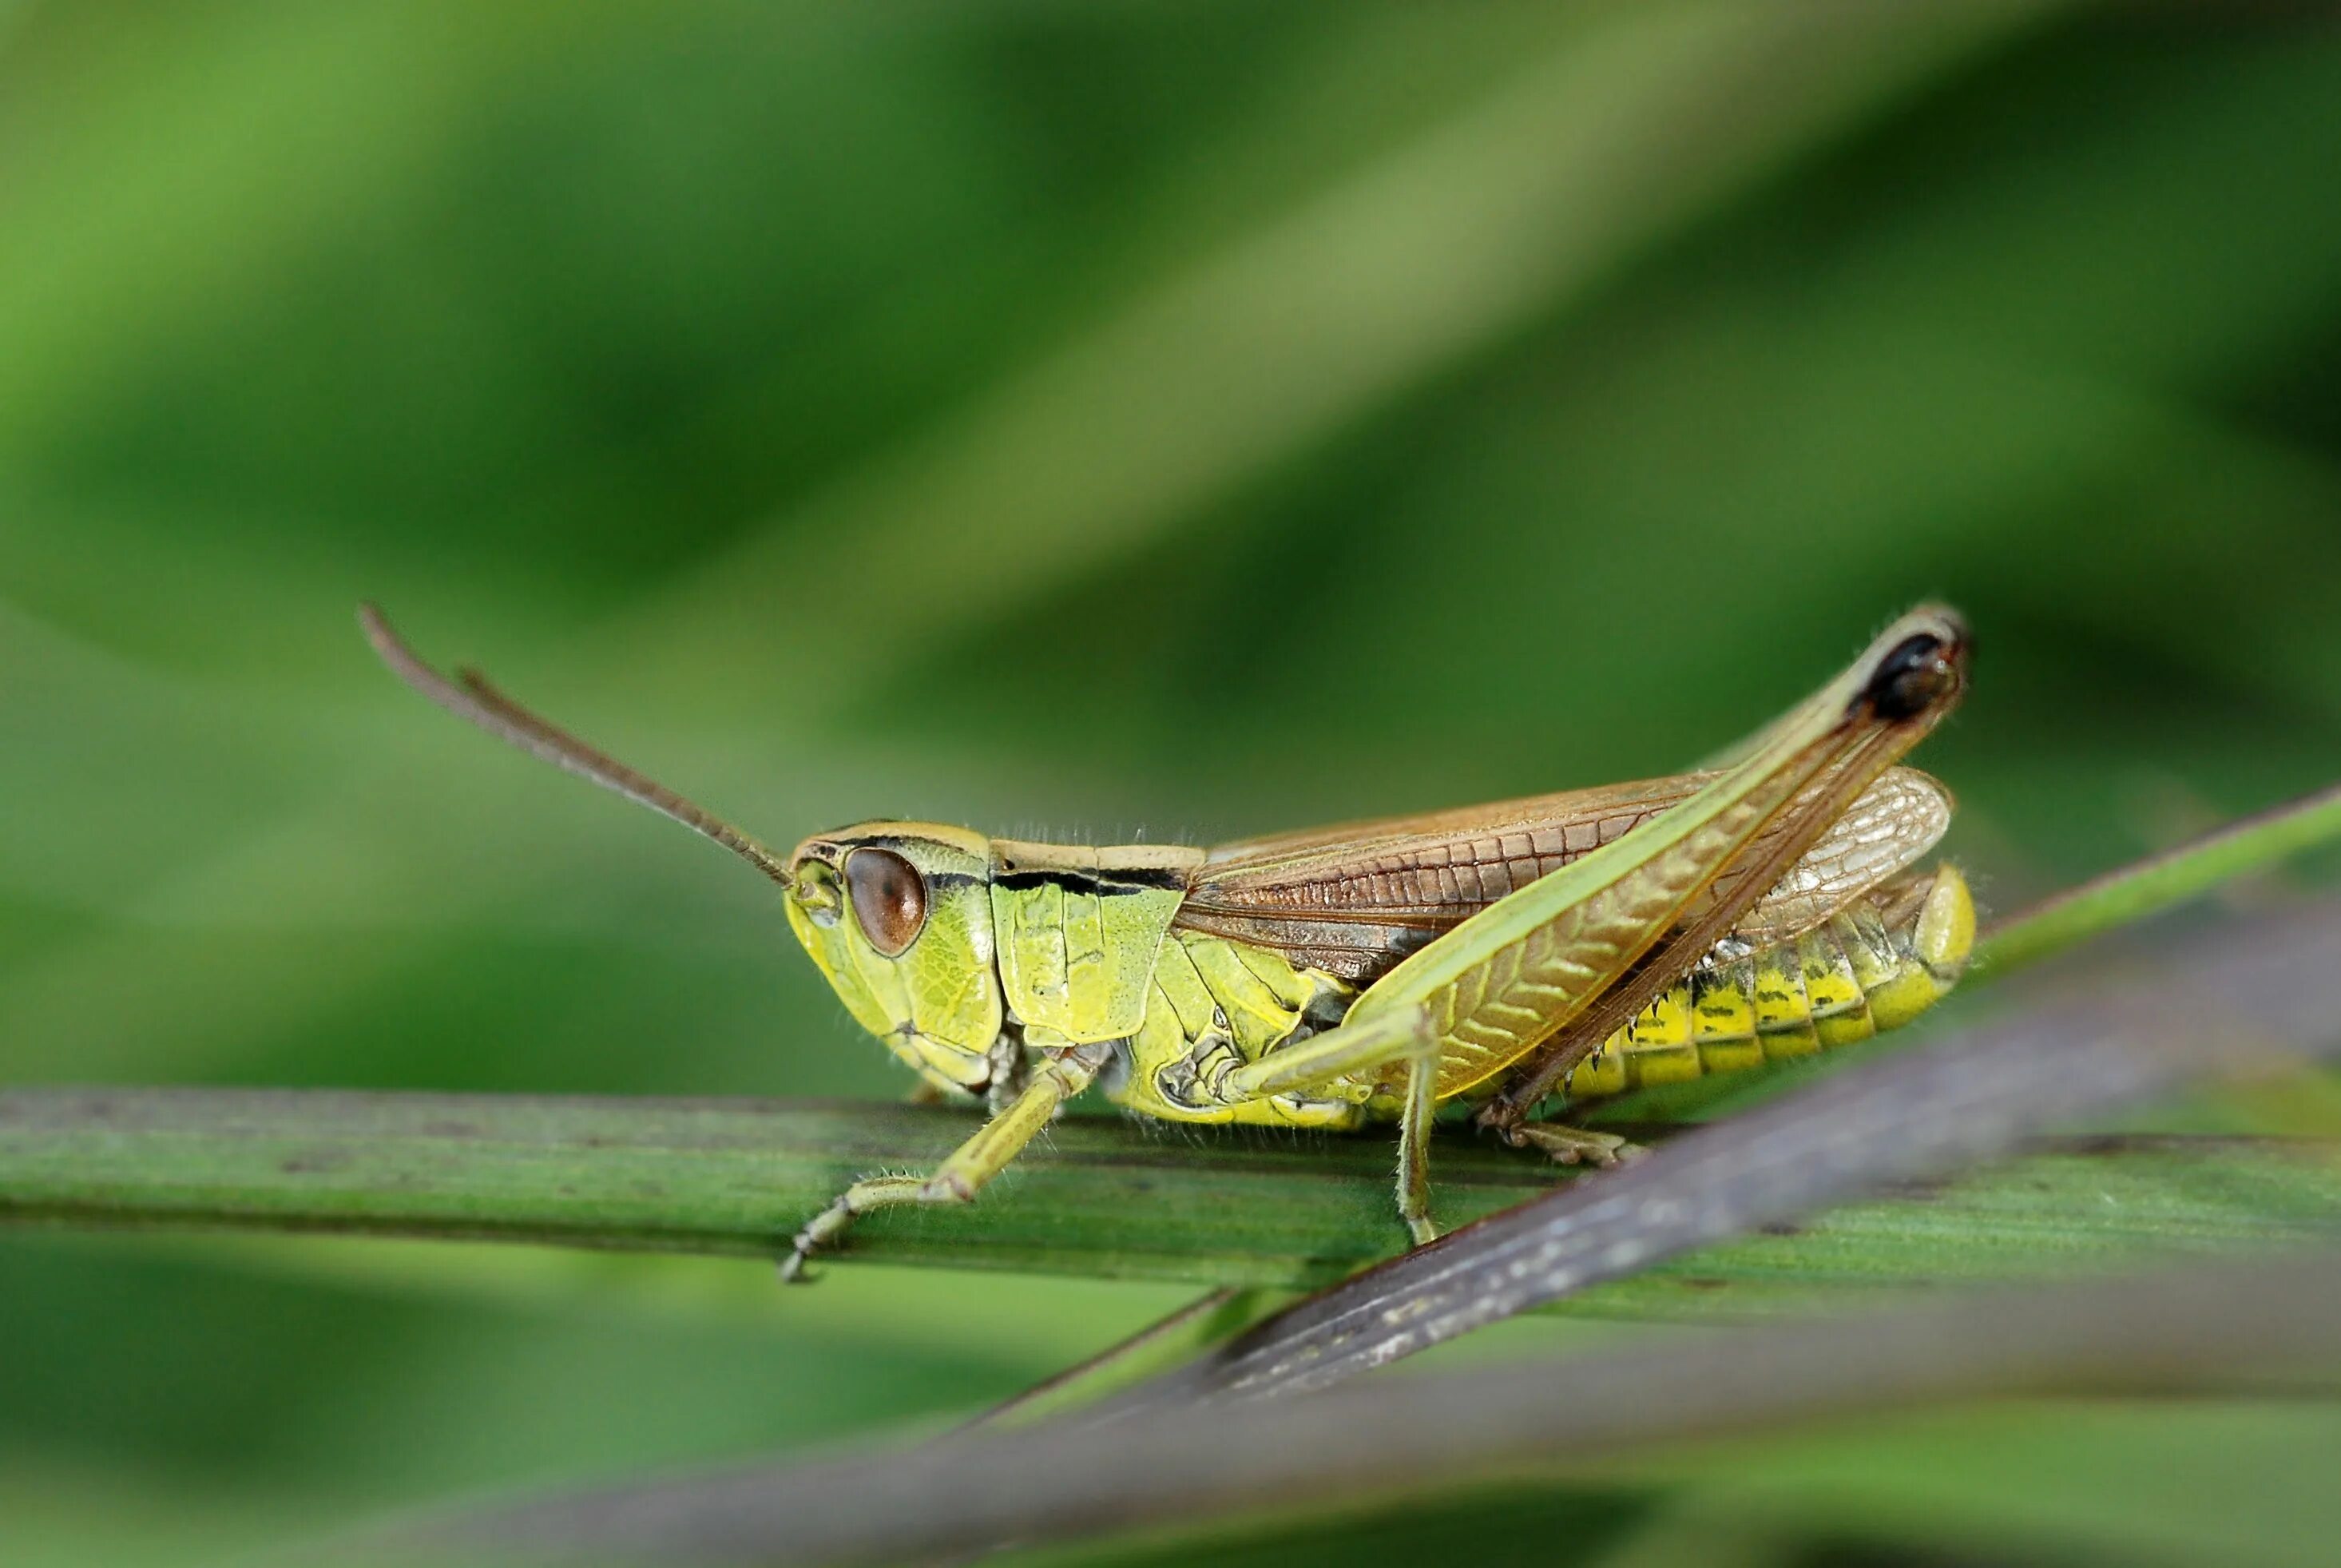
[825,1228]
[1573,1145]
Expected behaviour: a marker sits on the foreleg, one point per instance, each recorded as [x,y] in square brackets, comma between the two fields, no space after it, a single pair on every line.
[964,1172]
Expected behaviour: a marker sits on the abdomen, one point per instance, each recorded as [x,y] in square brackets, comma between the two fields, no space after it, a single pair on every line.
[1873,966]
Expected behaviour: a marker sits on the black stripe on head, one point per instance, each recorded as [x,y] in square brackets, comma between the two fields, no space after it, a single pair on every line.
[950,879]
[1106,883]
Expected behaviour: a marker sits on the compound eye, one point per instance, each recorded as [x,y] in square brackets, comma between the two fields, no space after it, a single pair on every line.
[889,898]
[1913,676]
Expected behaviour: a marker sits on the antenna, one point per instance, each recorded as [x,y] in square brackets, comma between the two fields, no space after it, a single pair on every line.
[476,700]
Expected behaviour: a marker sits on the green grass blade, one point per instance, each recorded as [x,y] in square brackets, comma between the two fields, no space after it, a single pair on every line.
[2149,886]
[1105,1198]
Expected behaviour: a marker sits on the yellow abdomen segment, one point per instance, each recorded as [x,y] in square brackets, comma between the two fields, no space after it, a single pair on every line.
[1870,967]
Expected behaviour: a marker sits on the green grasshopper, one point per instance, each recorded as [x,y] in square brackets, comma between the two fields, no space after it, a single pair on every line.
[1584,942]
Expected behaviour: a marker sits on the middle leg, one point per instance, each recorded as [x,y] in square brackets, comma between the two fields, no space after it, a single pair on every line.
[1402,1034]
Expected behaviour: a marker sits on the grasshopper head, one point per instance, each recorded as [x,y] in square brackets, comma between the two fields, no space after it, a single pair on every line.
[898,915]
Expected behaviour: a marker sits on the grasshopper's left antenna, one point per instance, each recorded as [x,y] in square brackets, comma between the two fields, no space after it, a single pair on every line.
[475,699]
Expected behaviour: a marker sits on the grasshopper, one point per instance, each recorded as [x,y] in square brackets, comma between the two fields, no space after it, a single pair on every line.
[1583,943]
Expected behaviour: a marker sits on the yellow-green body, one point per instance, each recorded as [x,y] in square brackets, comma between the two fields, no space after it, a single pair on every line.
[1084,950]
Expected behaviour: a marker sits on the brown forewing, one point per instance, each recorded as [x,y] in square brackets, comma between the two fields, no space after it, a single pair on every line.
[1353,900]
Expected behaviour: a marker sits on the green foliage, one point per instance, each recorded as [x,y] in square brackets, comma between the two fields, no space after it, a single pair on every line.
[1106,1199]
[1200,419]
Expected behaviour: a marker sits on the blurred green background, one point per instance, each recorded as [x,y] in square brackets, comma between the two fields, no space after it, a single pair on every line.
[1189,419]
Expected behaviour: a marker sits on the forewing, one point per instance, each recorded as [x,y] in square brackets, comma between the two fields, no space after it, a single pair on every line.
[1354,900]
[1893,821]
